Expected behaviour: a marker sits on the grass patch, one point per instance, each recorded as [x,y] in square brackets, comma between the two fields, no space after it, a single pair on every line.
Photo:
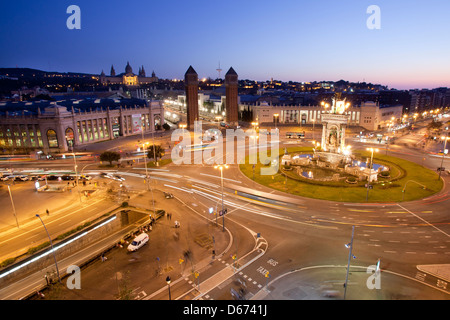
[402,173]
[162,163]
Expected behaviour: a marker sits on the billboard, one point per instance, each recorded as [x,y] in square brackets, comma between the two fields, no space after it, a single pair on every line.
[136,123]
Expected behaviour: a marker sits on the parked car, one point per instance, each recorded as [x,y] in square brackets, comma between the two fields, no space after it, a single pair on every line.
[20,178]
[138,242]
[4,178]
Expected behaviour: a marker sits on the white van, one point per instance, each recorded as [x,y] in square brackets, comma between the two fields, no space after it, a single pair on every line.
[138,242]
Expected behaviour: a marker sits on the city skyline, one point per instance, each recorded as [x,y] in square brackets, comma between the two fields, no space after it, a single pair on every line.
[300,42]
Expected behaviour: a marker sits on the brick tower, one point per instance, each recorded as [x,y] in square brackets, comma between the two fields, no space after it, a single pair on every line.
[191,86]
[231,93]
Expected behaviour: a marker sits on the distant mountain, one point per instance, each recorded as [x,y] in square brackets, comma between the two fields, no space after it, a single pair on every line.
[35,73]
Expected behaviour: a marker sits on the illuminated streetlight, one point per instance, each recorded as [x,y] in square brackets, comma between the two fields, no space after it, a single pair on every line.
[221,168]
[12,203]
[443,153]
[51,244]
[350,256]
[76,174]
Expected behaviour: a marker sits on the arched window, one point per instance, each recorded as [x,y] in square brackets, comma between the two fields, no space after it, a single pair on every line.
[69,137]
[157,119]
[52,138]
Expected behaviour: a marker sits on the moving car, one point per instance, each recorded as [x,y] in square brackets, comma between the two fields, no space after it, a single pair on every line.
[118,178]
[138,242]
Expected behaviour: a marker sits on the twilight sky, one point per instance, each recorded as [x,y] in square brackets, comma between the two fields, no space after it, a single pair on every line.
[285,40]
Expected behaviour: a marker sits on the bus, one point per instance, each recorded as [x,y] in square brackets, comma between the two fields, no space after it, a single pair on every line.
[266,197]
[295,135]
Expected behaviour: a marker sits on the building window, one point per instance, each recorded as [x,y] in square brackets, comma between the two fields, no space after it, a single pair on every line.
[94,125]
[89,126]
[80,138]
[69,137]
[105,128]
[52,138]
[85,130]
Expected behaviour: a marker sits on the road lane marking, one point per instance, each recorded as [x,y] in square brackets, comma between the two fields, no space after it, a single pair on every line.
[431,225]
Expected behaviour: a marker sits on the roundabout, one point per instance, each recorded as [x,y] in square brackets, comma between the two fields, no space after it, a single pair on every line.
[404,181]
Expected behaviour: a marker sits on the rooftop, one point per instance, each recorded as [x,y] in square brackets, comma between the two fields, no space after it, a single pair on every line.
[78,105]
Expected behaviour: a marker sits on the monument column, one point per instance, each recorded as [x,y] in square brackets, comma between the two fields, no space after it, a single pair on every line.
[191,87]
[324,136]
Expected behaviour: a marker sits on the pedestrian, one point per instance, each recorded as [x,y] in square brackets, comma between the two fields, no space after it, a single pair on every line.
[48,212]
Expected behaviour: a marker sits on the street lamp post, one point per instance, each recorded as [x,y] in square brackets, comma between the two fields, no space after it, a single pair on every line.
[443,155]
[145,163]
[76,174]
[221,168]
[404,188]
[147,180]
[51,244]
[14,208]
[276,115]
[350,256]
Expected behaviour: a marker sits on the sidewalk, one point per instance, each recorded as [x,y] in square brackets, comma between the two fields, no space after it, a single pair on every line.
[59,207]
[146,269]
[28,202]
[326,282]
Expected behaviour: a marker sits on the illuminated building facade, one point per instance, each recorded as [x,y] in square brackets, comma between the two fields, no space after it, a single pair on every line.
[58,125]
[128,78]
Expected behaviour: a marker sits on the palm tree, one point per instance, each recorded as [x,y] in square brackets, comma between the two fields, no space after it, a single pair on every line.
[155,150]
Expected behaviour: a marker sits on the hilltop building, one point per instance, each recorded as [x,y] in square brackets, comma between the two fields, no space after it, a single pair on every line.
[127,78]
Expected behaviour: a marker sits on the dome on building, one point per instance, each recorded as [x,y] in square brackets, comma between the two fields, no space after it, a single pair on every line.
[128,68]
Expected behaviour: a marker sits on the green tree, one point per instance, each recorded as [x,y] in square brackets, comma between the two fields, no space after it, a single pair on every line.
[110,156]
[155,150]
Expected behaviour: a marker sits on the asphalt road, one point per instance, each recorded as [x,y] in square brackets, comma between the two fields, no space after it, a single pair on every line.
[309,235]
